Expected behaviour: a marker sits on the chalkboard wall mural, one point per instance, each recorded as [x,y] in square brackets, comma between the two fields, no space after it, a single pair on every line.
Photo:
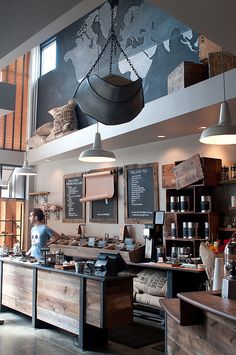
[155,43]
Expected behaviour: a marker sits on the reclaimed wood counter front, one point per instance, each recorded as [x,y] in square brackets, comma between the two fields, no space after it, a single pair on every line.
[79,303]
[200,323]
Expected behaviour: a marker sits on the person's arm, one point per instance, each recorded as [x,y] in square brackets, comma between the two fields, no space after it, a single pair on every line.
[54,237]
[28,252]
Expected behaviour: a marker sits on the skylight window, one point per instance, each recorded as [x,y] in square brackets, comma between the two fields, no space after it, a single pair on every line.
[48,57]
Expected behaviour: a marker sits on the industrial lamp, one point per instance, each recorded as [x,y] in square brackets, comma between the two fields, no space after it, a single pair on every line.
[26,169]
[225,131]
[96,154]
[3,183]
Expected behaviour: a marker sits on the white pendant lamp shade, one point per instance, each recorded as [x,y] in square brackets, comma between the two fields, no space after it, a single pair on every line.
[224,132]
[26,170]
[3,183]
[96,154]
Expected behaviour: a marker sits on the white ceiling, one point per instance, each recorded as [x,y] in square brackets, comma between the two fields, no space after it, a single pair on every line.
[31,25]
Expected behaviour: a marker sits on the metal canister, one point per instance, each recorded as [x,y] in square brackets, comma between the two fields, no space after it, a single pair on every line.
[184,203]
[174,204]
[185,230]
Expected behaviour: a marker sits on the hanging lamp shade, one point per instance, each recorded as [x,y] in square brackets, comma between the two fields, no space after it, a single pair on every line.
[96,154]
[224,132]
[26,170]
[3,183]
[111,100]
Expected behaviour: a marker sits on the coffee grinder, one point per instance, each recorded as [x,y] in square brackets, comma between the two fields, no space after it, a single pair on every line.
[153,235]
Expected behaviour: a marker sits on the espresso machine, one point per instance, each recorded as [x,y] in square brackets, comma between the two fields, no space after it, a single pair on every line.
[153,235]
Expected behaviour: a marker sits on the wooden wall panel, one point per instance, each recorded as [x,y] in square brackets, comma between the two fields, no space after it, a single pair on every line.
[17,288]
[214,336]
[58,300]
[93,297]
[119,302]
[13,127]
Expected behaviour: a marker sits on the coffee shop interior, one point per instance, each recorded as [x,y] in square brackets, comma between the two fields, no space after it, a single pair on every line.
[118,121]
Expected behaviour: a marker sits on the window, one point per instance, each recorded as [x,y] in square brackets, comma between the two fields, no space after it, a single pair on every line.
[15,184]
[48,56]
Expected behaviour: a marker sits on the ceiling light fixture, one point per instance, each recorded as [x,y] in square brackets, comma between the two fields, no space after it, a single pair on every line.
[225,131]
[161,136]
[97,154]
[3,183]
[26,169]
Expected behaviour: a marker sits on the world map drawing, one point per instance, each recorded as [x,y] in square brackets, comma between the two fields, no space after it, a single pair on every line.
[151,39]
[154,42]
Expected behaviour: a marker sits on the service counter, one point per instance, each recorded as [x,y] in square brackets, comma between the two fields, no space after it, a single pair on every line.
[200,323]
[79,303]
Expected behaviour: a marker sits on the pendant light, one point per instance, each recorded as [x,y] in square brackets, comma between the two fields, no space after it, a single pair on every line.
[97,154]
[26,169]
[225,131]
[3,183]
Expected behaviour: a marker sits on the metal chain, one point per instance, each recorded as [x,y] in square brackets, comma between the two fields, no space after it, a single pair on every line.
[114,44]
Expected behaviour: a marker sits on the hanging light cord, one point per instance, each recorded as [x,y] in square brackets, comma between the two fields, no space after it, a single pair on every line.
[223,72]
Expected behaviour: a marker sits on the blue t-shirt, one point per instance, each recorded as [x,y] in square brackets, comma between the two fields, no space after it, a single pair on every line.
[40,234]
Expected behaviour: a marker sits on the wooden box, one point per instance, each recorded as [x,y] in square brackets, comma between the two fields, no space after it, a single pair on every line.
[216,60]
[168,178]
[205,47]
[186,74]
[211,169]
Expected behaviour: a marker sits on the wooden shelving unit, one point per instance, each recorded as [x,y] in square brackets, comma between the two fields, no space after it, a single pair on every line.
[42,194]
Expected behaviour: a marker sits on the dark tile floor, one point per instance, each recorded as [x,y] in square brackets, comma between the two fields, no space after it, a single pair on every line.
[18,337]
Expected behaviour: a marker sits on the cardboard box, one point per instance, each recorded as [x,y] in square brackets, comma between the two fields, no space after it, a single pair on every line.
[186,74]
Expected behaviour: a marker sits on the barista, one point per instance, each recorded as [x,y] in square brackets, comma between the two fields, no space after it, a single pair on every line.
[40,233]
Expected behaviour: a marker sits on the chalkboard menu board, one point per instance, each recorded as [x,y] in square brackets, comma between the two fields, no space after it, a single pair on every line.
[141,192]
[106,210]
[74,210]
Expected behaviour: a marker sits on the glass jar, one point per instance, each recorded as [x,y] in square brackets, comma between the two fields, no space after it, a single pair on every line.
[224,173]
[230,258]
[233,171]
[59,257]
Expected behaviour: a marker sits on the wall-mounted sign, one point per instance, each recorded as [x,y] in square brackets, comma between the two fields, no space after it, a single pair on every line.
[105,210]
[141,192]
[74,210]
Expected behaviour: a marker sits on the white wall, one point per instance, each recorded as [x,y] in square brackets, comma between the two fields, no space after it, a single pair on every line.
[50,176]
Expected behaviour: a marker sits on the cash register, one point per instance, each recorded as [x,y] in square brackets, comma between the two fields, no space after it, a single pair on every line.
[109,264]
